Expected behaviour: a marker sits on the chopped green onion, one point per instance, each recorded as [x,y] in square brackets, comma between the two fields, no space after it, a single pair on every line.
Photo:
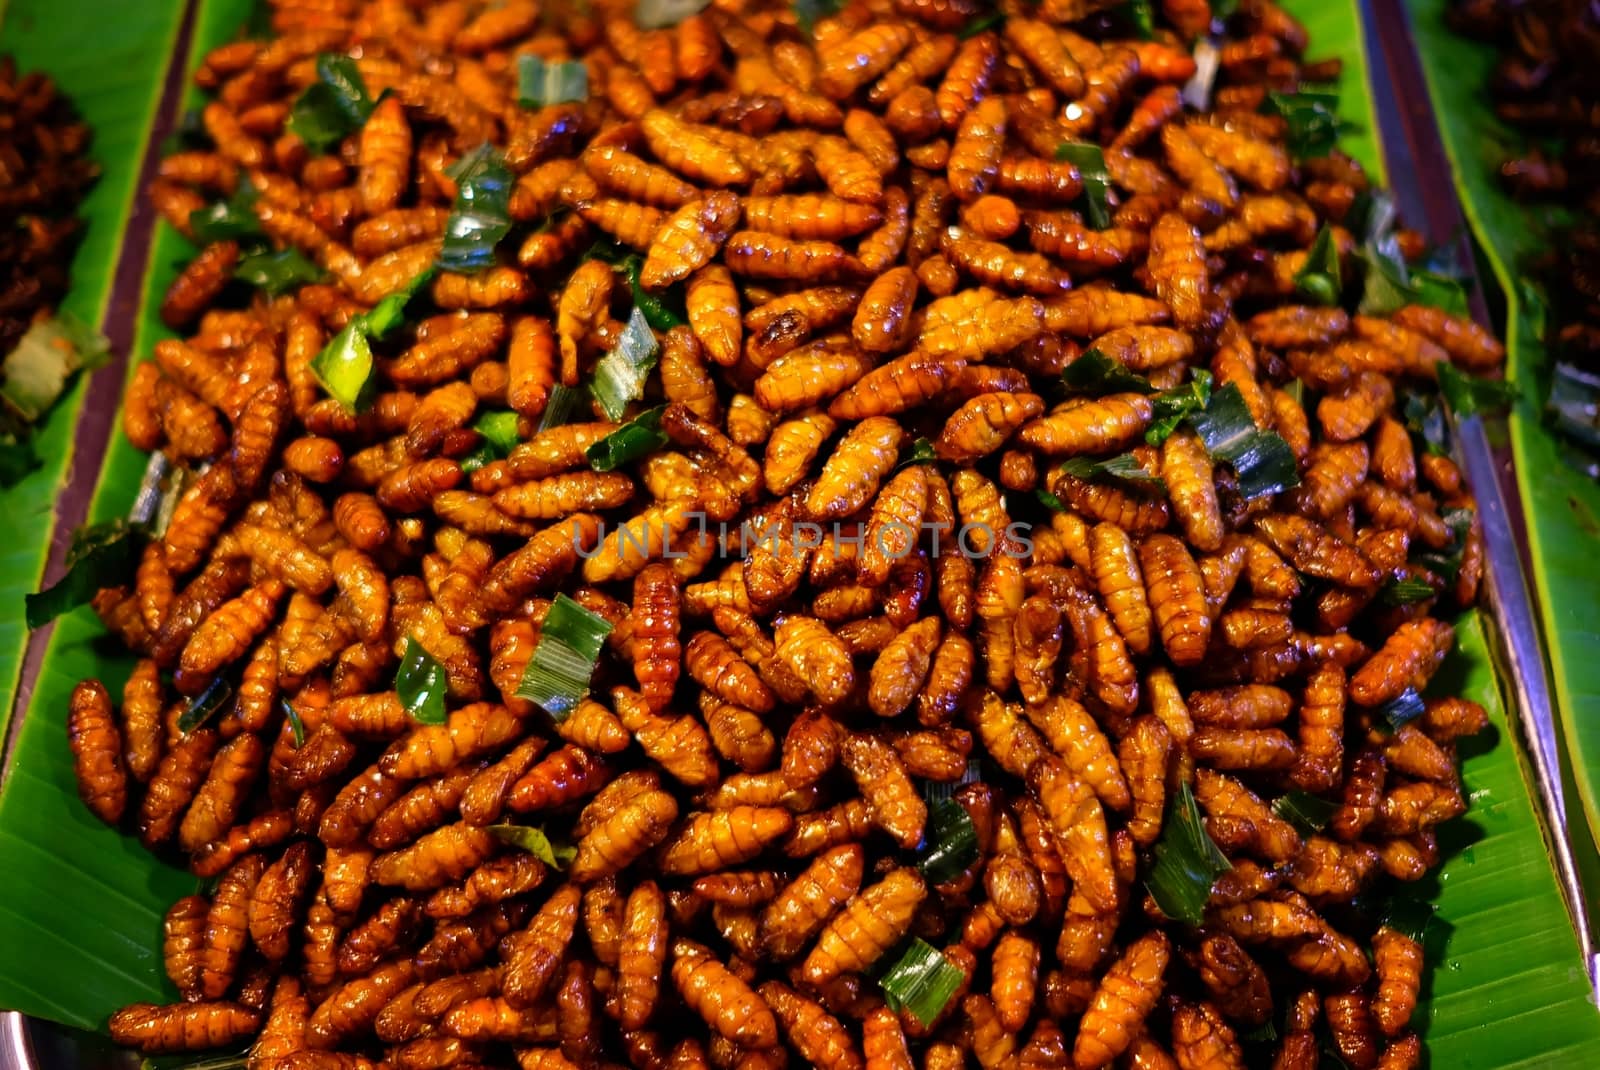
[922,982]
[1312,115]
[297,727]
[345,367]
[1261,459]
[1265,1033]
[1175,405]
[390,312]
[654,306]
[1425,419]
[981,24]
[202,707]
[1123,466]
[1185,862]
[620,375]
[536,843]
[499,429]
[1406,592]
[1050,501]
[540,82]
[1469,395]
[1090,161]
[1207,61]
[421,684]
[277,272]
[949,843]
[1401,710]
[18,459]
[333,107]
[808,12]
[1440,291]
[1305,812]
[228,220]
[1223,10]
[1408,916]
[1095,373]
[1142,17]
[36,372]
[636,438]
[563,661]
[1446,563]
[921,452]
[1319,280]
[1387,286]
[101,555]
[482,213]
[657,14]
[1296,391]
[563,405]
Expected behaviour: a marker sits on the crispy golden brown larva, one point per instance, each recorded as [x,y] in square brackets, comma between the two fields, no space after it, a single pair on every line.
[875,244]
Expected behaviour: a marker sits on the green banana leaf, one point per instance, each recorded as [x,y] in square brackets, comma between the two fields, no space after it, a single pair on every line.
[81,920]
[1562,504]
[114,74]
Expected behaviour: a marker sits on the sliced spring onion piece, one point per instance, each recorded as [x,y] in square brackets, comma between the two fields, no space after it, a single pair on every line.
[228,220]
[982,24]
[1296,391]
[536,843]
[620,375]
[540,82]
[297,727]
[1312,115]
[1175,405]
[333,107]
[807,12]
[921,452]
[1123,466]
[1185,862]
[1401,710]
[656,14]
[636,438]
[101,555]
[1387,285]
[949,842]
[482,213]
[657,312]
[499,429]
[1090,161]
[1261,459]
[344,367]
[1469,395]
[421,684]
[1050,501]
[277,272]
[390,312]
[1095,373]
[1446,563]
[1425,419]
[922,982]
[1142,18]
[1207,61]
[562,407]
[36,372]
[1305,812]
[1406,592]
[563,662]
[1319,280]
[202,707]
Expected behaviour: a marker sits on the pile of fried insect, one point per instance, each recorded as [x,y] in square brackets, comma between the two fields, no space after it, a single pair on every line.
[485,671]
